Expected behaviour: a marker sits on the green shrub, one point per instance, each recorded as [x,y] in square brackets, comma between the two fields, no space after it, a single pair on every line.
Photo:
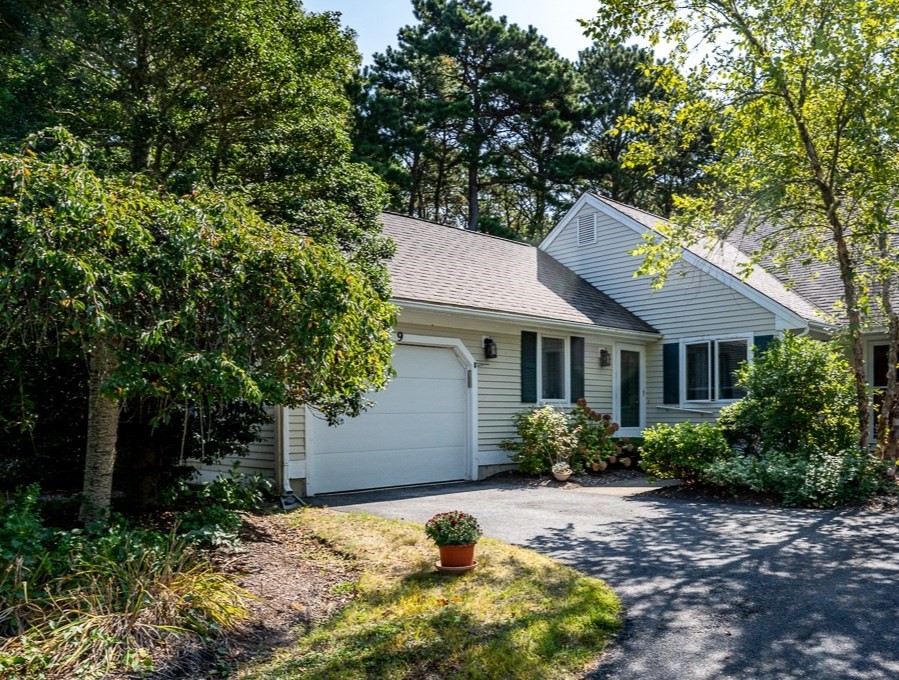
[234,491]
[794,434]
[682,451]
[545,439]
[210,526]
[80,603]
[809,479]
[800,395]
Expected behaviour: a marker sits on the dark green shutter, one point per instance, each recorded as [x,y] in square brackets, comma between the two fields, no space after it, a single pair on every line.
[528,367]
[761,343]
[671,373]
[577,368]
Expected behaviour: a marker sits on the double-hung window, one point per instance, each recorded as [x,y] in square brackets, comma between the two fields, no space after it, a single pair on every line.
[710,368]
[552,368]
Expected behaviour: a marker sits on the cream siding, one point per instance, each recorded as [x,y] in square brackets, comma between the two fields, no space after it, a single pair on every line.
[499,382]
[259,459]
[691,304]
[297,436]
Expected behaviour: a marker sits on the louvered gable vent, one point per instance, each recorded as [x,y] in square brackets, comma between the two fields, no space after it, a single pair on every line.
[586,229]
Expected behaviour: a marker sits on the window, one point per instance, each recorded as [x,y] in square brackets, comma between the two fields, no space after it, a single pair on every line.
[552,369]
[710,369]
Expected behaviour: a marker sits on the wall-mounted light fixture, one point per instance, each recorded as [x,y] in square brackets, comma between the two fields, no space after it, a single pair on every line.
[605,357]
[489,348]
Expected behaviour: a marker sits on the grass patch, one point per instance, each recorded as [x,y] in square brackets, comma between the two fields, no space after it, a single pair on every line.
[518,615]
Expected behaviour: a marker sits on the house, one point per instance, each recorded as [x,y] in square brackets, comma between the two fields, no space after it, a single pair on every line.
[488,327]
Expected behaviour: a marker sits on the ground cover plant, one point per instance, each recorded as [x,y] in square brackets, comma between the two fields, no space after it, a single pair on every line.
[85,602]
[518,615]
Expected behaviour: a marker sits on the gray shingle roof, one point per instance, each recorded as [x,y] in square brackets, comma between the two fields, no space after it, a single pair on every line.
[458,268]
[810,299]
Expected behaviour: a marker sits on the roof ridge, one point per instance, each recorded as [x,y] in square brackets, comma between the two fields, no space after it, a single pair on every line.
[458,229]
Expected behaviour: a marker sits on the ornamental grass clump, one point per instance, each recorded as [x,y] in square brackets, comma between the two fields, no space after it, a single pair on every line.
[453,528]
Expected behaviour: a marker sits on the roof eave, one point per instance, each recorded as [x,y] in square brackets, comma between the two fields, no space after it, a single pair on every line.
[524,318]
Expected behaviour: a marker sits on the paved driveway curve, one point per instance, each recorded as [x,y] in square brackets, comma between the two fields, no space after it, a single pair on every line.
[710,590]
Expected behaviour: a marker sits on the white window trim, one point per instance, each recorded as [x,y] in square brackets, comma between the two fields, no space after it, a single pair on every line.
[713,340]
[566,381]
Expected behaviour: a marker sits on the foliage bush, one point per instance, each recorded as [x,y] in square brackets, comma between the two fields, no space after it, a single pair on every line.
[211,510]
[794,434]
[83,602]
[545,438]
[595,432]
[814,479]
[682,451]
[800,395]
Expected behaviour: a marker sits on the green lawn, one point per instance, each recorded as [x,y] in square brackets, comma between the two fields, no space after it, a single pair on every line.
[518,615]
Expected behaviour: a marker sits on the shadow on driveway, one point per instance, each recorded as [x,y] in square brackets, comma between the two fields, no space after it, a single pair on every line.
[710,590]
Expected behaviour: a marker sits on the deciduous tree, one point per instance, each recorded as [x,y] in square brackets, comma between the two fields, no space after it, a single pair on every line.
[802,107]
[192,298]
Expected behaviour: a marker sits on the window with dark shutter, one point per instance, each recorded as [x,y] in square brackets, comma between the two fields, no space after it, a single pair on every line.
[671,373]
[528,367]
[761,343]
[577,369]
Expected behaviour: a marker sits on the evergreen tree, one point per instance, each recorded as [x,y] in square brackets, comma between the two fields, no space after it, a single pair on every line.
[468,111]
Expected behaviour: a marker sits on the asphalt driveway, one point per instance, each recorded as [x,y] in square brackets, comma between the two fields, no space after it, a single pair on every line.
[710,590]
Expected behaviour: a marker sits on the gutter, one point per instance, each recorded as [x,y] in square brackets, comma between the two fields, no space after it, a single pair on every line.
[522,319]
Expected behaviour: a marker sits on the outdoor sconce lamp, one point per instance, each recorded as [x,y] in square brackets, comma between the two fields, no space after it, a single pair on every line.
[489,348]
[605,357]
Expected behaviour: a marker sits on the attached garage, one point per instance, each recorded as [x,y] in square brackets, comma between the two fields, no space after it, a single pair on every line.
[419,430]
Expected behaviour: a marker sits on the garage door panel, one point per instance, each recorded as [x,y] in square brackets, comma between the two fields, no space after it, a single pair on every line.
[410,361]
[380,433]
[418,395]
[353,470]
[415,433]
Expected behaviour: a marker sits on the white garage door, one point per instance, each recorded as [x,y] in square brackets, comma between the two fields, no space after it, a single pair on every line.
[415,433]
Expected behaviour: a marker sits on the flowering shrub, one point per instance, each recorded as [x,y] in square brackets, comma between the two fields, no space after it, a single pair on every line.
[595,432]
[453,528]
[545,439]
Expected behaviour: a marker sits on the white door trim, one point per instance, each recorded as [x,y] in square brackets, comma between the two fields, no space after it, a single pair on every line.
[471,436]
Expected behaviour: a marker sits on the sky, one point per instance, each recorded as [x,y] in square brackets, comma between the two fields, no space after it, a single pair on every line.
[376,22]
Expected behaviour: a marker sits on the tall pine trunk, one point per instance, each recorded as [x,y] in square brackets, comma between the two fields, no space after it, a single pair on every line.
[102,430]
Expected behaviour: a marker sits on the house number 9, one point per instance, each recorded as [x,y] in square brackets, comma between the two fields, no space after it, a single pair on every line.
[399,336]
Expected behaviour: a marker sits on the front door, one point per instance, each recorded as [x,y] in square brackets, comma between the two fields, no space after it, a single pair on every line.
[629,389]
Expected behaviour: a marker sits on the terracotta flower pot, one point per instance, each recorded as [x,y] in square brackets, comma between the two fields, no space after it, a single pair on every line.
[457,555]
[562,476]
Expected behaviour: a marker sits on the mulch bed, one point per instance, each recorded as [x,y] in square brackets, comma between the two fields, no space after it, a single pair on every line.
[515,478]
[294,579]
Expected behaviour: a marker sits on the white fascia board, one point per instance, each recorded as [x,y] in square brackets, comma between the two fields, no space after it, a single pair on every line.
[523,320]
[785,318]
